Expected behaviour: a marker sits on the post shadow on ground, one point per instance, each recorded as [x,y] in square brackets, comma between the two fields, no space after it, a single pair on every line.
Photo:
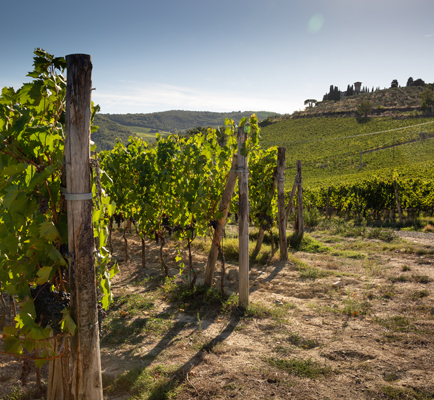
[277,268]
[181,374]
[170,338]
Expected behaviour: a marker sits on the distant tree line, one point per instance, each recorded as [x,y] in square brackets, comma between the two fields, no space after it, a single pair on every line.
[335,94]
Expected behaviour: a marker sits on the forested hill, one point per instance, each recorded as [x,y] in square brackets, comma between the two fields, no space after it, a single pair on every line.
[107,133]
[122,126]
[180,121]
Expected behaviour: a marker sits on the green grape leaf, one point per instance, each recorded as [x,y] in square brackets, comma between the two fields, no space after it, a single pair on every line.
[12,345]
[43,275]
[54,254]
[49,231]
[68,323]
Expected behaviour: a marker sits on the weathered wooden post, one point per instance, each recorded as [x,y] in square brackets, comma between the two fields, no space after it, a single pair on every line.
[86,381]
[218,233]
[300,224]
[291,199]
[243,222]
[281,202]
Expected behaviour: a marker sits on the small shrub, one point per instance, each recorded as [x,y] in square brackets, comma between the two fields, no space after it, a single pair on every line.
[405,268]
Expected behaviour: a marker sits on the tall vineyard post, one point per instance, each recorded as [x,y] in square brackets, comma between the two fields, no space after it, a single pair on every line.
[243,214]
[218,233]
[281,202]
[290,207]
[86,382]
[300,223]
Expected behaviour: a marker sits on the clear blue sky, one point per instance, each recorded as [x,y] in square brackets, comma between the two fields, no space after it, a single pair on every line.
[222,55]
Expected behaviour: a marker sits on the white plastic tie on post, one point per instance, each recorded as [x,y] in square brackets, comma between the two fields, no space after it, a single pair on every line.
[76,196]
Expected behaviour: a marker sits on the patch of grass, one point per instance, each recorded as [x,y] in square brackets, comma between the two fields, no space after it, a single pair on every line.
[353,307]
[392,393]
[350,254]
[420,278]
[154,383]
[381,234]
[419,294]
[192,299]
[307,244]
[131,318]
[405,268]
[391,377]
[400,278]
[396,324]
[261,311]
[229,305]
[119,330]
[307,271]
[131,304]
[296,340]
[302,368]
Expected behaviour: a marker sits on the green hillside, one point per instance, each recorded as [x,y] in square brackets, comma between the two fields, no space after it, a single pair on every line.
[108,132]
[330,148]
[145,126]
[176,121]
[147,134]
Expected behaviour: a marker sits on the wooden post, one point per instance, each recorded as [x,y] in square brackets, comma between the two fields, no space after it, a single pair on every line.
[300,225]
[398,204]
[281,202]
[291,200]
[86,383]
[218,233]
[243,222]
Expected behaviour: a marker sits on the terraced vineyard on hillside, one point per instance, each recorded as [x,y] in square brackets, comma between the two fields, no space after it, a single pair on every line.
[351,149]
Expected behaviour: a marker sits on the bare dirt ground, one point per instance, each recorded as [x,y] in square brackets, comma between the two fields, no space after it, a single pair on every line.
[355,323]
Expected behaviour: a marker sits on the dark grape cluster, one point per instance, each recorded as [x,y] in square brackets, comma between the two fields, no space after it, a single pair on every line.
[213,224]
[43,205]
[119,218]
[49,305]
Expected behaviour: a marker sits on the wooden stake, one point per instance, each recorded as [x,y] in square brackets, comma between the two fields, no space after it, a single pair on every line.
[398,204]
[281,202]
[224,209]
[86,383]
[291,200]
[243,215]
[300,224]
